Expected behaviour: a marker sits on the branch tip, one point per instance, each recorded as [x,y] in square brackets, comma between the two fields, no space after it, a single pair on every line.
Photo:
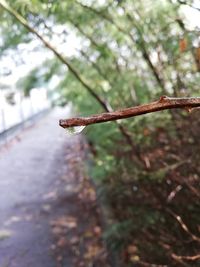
[61,122]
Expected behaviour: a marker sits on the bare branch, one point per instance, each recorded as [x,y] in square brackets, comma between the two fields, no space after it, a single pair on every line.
[189,258]
[184,226]
[188,4]
[25,23]
[163,103]
[90,90]
[142,46]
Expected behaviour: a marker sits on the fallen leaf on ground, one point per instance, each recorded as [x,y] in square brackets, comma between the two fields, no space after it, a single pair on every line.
[57,230]
[132,249]
[65,221]
[97,230]
[62,242]
[92,251]
[50,195]
[5,234]
[74,240]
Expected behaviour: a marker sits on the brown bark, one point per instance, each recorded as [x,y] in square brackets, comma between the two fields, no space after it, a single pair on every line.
[163,103]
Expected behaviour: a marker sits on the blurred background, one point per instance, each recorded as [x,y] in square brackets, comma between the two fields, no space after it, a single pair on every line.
[102,56]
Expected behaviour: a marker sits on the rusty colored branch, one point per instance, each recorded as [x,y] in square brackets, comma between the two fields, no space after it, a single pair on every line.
[163,103]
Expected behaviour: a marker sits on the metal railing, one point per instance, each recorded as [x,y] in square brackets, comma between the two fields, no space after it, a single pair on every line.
[13,131]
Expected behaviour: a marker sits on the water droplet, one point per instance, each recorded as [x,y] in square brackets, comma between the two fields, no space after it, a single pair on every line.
[135,188]
[75,130]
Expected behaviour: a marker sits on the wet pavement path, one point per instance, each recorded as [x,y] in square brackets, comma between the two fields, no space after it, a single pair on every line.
[49,216]
[30,191]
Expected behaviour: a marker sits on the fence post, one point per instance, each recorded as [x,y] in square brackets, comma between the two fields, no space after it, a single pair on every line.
[4,124]
[21,109]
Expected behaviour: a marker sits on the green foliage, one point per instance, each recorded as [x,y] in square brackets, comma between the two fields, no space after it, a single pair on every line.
[117,235]
[28,82]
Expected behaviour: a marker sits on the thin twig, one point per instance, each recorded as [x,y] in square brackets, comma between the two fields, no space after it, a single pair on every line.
[163,103]
[188,258]
[184,226]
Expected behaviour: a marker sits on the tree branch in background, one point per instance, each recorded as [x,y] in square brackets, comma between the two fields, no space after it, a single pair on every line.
[142,45]
[163,103]
[184,226]
[188,4]
[188,258]
[76,74]
[24,22]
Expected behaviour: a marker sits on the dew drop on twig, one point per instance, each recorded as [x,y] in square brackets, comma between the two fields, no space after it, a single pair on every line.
[75,130]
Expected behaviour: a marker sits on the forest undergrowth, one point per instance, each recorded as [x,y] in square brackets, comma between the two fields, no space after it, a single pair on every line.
[154,206]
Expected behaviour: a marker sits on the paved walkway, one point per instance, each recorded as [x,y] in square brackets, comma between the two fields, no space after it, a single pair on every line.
[29,186]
